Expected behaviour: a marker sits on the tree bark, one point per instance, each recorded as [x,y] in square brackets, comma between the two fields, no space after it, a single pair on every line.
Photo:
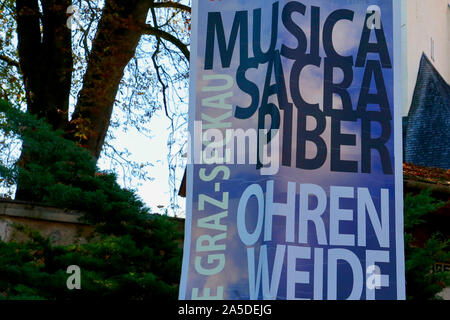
[118,34]
[46,65]
[45,58]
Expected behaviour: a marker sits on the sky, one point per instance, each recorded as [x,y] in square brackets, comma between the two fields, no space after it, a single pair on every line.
[154,193]
[145,148]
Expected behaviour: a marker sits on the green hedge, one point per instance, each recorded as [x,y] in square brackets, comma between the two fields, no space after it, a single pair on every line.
[136,255]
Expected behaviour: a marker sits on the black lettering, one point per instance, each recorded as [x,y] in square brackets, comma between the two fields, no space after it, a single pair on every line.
[257,50]
[295,79]
[380,98]
[215,26]
[339,139]
[315,31]
[379,47]
[294,29]
[248,87]
[330,87]
[304,135]
[368,144]
[279,88]
[328,27]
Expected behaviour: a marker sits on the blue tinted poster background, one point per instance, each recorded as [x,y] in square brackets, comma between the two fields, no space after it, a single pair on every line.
[293,176]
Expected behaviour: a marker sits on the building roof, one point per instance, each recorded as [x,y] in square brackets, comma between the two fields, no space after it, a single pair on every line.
[435,176]
[427,135]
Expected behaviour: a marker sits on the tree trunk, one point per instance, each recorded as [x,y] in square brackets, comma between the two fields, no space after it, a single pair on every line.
[46,65]
[118,34]
[45,58]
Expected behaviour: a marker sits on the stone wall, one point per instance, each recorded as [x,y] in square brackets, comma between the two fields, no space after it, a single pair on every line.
[63,227]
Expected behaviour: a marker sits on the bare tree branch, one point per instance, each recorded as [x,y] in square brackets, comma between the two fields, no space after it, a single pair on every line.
[10,61]
[172,4]
[156,66]
[148,29]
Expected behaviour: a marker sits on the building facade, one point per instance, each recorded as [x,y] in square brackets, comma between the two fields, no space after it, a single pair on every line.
[425,30]
[425,82]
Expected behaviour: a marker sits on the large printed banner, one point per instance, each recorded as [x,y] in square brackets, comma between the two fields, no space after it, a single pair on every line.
[294,187]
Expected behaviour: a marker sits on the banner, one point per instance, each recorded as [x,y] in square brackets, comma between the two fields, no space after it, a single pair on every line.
[294,182]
